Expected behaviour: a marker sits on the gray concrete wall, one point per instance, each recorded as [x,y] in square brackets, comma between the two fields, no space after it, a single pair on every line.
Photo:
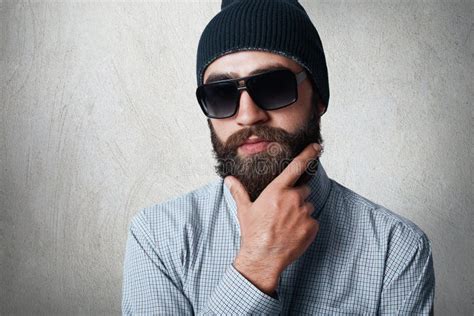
[98,119]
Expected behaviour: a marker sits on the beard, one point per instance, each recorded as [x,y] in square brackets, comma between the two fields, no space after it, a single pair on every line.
[257,170]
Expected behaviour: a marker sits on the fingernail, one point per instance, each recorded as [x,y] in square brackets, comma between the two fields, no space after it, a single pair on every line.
[316,146]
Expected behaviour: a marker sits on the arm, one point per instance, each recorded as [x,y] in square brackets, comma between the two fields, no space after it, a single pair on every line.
[150,286]
[249,286]
[410,285]
[236,295]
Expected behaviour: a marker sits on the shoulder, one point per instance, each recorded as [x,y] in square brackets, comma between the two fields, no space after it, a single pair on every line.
[165,219]
[375,219]
[398,251]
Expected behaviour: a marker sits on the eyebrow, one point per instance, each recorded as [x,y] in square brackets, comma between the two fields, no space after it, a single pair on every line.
[229,75]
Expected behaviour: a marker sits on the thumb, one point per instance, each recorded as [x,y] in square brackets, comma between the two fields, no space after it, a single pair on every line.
[237,190]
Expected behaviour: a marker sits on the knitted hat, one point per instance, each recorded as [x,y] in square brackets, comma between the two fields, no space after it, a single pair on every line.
[277,26]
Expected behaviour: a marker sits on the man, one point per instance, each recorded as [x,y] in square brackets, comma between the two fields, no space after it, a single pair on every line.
[278,236]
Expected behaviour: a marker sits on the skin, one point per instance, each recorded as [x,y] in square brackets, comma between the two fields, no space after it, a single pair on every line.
[288,118]
[277,227]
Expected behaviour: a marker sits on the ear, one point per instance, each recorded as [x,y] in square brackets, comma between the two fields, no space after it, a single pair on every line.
[226,3]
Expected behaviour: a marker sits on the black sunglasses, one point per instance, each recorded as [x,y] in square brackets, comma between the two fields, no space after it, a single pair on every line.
[270,90]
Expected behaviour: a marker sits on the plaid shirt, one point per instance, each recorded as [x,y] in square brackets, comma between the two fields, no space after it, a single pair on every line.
[365,260]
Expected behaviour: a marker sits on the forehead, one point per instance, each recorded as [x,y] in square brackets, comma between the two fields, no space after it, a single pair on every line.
[241,64]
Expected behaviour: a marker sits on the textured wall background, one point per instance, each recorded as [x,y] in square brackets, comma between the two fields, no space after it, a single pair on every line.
[98,119]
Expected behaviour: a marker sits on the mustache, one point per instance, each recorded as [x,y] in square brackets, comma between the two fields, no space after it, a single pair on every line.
[267,133]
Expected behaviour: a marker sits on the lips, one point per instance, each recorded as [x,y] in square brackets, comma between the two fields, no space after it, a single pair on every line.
[253,141]
[253,145]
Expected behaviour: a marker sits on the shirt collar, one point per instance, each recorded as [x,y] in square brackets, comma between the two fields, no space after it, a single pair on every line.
[320,185]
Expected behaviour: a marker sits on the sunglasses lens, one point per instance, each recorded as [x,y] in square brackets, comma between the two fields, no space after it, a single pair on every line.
[218,100]
[274,90]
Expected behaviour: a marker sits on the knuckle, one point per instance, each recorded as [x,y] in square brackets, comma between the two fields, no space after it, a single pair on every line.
[307,190]
[294,197]
[301,168]
[276,203]
[298,162]
[316,225]
[309,207]
[309,230]
[310,162]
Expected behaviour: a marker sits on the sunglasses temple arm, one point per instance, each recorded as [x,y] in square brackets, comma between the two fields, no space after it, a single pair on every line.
[300,76]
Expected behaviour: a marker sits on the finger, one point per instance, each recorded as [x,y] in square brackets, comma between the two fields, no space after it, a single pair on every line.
[303,190]
[316,226]
[297,166]
[309,207]
[237,190]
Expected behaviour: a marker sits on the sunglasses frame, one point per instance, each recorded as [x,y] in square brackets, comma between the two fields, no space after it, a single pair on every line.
[241,84]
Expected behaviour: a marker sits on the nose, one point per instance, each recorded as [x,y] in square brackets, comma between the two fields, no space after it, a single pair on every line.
[249,113]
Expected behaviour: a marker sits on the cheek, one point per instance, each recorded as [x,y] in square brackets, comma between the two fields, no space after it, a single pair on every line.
[286,118]
[306,101]
[304,104]
[222,130]
[290,117]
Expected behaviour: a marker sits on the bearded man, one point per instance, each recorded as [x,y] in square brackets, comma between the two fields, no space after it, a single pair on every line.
[273,234]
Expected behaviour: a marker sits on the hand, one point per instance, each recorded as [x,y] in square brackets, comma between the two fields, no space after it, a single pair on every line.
[277,227]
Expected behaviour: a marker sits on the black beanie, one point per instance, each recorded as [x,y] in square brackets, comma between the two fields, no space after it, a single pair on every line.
[277,26]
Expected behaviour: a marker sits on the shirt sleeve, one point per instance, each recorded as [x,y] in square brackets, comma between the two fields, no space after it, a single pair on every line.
[150,287]
[410,281]
[238,296]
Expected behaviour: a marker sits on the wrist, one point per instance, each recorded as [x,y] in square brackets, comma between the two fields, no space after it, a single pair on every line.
[264,277]
[268,267]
